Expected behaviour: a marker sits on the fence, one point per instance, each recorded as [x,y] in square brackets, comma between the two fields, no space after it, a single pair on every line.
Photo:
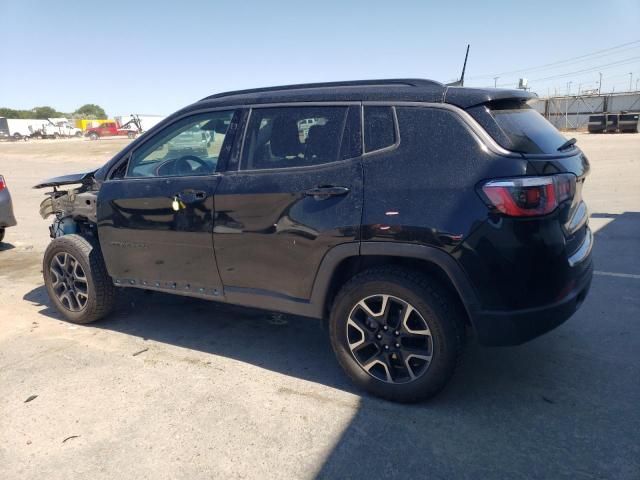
[572,112]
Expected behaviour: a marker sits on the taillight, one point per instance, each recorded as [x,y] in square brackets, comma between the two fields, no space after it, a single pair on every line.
[529,196]
[3,184]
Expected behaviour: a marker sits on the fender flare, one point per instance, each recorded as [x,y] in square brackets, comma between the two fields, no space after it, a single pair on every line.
[440,258]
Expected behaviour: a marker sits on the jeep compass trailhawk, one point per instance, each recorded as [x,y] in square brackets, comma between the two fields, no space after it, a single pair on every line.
[402,211]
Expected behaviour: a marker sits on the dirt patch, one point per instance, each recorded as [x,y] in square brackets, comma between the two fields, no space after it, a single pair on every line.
[18,264]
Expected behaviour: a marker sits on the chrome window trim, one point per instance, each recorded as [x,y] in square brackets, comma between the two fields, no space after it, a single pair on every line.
[481,134]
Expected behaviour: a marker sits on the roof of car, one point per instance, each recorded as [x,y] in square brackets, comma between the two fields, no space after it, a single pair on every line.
[407,90]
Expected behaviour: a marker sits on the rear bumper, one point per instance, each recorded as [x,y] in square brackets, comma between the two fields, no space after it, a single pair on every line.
[7,218]
[503,328]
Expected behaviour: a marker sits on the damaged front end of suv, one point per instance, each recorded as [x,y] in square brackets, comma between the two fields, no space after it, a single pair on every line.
[74,208]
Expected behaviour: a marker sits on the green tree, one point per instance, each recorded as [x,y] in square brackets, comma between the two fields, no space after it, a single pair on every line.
[9,113]
[90,111]
[46,112]
[12,113]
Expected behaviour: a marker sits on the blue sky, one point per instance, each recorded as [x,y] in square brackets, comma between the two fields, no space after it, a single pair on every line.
[155,57]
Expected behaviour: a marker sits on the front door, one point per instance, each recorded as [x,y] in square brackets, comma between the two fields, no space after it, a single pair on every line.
[155,222]
[296,194]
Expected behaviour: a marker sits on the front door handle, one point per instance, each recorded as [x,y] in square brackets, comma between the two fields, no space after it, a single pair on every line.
[322,193]
[191,196]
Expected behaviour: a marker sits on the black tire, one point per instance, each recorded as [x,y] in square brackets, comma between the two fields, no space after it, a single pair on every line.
[435,306]
[17,136]
[2,234]
[78,134]
[94,136]
[100,292]
[131,135]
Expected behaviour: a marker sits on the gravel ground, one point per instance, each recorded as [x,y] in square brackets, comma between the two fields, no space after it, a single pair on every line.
[170,387]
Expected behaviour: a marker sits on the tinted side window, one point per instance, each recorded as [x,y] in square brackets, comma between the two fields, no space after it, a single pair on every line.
[295,137]
[379,128]
[191,146]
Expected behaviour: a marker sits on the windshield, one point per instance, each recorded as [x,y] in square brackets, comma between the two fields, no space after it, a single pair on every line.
[527,130]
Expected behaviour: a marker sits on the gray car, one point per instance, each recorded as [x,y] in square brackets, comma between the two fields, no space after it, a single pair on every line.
[6,208]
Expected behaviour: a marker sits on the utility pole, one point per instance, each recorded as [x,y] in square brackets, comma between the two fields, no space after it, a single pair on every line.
[600,83]
[637,80]
[566,111]
[630,80]
[495,82]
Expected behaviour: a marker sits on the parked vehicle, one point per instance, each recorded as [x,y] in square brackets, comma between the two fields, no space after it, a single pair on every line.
[19,128]
[409,213]
[58,128]
[139,123]
[7,218]
[4,129]
[111,129]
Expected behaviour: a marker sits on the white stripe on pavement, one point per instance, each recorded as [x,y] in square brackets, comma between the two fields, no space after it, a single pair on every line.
[615,274]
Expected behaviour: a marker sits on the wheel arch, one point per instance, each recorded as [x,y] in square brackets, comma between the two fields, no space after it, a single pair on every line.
[344,261]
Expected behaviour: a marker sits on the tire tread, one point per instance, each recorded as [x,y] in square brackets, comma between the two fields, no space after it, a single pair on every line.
[433,293]
[105,291]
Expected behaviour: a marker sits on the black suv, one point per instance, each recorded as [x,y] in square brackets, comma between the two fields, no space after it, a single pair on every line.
[403,211]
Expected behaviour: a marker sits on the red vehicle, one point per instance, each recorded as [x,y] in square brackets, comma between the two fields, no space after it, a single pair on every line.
[110,129]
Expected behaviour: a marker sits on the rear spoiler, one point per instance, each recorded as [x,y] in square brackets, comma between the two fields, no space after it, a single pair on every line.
[464,97]
[75,178]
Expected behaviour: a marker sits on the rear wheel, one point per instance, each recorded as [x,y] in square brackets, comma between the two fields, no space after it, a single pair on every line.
[131,135]
[396,333]
[77,280]
[1,234]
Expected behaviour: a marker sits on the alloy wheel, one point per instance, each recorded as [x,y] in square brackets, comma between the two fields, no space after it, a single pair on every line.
[389,339]
[69,282]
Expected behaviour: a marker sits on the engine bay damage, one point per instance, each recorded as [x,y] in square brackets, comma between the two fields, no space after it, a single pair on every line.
[74,209]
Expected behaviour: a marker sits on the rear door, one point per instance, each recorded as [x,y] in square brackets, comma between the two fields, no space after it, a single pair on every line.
[155,216]
[295,192]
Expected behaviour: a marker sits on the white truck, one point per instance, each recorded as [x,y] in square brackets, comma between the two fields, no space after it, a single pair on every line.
[59,127]
[21,128]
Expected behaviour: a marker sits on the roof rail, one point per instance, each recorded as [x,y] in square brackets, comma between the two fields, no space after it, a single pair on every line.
[408,82]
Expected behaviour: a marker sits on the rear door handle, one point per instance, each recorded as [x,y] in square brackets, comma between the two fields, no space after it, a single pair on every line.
[322,193]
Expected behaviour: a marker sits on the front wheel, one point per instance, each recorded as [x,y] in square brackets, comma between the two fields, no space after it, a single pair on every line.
[396,333]
[93,136]
[77,280]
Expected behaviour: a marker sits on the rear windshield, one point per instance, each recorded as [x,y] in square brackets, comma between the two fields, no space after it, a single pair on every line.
[521,128]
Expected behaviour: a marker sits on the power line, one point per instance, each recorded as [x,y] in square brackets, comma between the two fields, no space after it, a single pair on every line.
[591,69]
[559,62]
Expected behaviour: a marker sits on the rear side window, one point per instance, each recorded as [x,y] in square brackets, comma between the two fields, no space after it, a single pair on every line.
[523,129]
[299,136]
[379,128]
